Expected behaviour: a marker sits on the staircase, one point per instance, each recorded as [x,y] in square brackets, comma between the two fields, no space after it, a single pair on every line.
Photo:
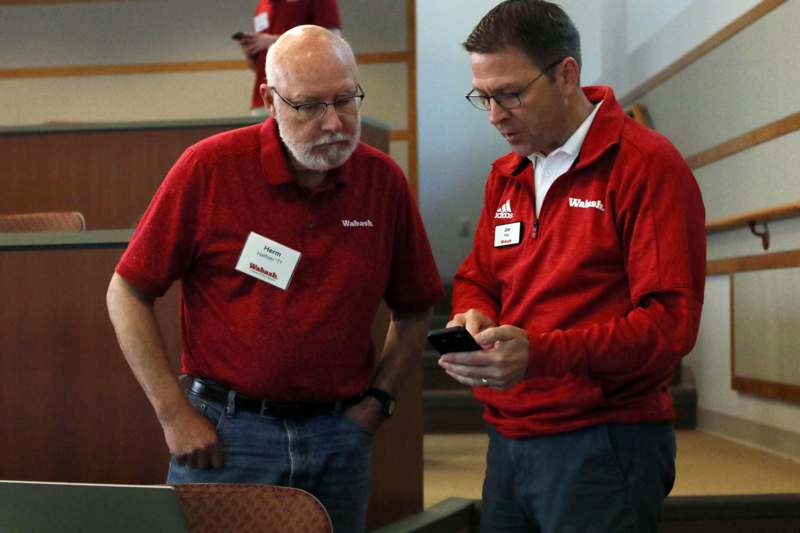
[450,408]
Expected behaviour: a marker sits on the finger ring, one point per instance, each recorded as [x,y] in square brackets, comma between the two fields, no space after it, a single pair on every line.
[484,381]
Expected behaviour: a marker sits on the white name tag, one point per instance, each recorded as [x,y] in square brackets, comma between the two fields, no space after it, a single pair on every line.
[261,22]
[507,234]
[267,260]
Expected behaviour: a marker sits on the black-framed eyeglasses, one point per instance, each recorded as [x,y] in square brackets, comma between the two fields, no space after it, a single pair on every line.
[507,101]
[345,105]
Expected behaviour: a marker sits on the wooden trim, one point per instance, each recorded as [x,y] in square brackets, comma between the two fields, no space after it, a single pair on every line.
[766,389]
[743,220]
[400,135]
[747,385]
[411,46]
[749,263]
[113,70]
[738,24]
[42,2]
[732,328]
[170,67]
[752,138]
[369,58]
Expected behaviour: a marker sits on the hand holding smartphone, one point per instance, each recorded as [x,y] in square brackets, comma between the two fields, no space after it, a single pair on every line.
[454,339]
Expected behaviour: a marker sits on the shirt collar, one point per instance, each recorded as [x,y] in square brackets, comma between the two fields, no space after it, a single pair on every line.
[572,146]
[600,138]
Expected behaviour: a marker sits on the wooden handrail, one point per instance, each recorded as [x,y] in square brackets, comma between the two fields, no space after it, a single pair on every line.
[744,220]
[765,133]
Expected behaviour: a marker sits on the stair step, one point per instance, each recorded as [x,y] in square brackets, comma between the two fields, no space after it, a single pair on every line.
[439,320]
[443,305]
[452,411]
[434,378]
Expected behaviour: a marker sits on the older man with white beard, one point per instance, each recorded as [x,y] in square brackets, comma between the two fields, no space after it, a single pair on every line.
[286,236]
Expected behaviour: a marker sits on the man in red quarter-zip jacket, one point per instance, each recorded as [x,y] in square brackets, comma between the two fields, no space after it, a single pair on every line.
[584,287]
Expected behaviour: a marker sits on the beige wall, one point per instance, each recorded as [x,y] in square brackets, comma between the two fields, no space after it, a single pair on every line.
[161,31]
[745,83]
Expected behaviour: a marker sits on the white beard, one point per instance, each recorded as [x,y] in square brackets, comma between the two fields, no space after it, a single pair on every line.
[330,158]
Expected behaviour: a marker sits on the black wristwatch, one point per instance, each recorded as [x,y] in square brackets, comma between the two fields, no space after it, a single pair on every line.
[388,402]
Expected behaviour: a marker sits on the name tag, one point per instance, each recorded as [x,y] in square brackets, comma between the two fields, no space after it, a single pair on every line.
[507,234]
[267,260]
[261,22]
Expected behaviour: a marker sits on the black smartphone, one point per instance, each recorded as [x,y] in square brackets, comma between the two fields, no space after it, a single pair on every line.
[237,36]
[455,339]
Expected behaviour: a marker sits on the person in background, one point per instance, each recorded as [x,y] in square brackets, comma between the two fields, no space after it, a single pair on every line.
[274,17]
[584,287]
[285,236]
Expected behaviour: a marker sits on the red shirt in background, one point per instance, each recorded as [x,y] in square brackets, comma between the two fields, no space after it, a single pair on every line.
[277,16]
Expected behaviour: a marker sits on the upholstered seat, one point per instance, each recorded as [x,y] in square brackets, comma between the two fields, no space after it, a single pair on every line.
[50,221]
[218,508]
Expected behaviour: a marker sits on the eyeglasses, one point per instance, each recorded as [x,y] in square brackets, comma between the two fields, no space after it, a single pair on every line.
[346,105]
[507,101]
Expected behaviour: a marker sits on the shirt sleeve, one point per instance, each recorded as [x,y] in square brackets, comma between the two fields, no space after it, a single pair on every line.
[326,14]
[414,284]
[163,245]
[475,285]
[661,222]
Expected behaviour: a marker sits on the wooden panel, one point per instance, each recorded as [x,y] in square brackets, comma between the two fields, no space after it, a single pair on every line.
[72,408]
[109,176]
[75,413]
[766,317]
[396,485]
[779,388]
[71,392]
[702,49]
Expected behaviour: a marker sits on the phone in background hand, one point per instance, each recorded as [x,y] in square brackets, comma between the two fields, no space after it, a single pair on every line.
[238,36]
[455,339]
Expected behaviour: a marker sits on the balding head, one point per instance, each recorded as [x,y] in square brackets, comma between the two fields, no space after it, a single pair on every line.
[307,53]
[312,92]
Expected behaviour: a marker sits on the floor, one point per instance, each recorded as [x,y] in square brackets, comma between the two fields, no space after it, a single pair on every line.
[707,464]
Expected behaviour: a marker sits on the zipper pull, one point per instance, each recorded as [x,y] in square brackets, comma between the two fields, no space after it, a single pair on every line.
[536,228]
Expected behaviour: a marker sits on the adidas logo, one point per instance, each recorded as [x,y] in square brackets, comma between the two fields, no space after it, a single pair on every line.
[586,204]
[504,211]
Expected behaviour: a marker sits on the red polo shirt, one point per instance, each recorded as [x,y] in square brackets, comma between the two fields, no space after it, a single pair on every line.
[312,341]
[282,16]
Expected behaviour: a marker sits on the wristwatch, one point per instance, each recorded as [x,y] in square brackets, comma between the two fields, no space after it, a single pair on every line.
[388,402]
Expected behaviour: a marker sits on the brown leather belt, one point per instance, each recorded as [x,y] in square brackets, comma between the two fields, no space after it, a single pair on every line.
[208,390]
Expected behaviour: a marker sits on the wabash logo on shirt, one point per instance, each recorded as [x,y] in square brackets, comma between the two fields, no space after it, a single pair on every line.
[264,271]
[357,223]
[504,211]
[586,204]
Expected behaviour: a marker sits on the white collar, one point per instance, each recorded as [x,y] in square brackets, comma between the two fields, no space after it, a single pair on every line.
[573,145]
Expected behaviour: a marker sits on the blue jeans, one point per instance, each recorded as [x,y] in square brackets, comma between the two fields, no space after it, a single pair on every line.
[327,455]
[609,478]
